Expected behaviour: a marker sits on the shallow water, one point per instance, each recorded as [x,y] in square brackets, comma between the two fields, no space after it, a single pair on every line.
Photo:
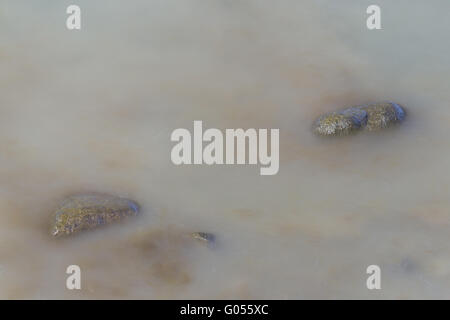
[93,110]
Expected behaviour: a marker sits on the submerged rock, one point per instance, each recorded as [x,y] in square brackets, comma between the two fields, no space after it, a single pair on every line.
[208,238]
[341,122]
[88,211]
[371,117]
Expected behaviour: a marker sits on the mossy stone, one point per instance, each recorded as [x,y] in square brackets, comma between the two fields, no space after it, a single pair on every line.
[88,211]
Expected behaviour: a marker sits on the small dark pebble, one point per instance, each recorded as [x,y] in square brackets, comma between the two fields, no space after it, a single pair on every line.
[208,238]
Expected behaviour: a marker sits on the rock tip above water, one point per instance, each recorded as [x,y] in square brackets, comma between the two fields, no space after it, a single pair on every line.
[371,117]
[91,210]
[383,114]
[341,122]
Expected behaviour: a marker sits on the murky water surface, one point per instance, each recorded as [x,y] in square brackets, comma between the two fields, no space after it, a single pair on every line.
[93,110]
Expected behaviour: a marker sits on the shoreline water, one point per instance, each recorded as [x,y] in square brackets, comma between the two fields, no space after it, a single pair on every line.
[94,110]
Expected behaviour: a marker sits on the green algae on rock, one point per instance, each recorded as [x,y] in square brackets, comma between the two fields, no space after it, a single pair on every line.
[382,115]
[88,211]
[371,117]
[341,122]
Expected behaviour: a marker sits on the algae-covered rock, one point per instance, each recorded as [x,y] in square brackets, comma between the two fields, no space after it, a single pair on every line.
[88,211]
[382,115]
[371,117]
[341,122]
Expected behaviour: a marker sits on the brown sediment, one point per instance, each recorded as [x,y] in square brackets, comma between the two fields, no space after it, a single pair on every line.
[165,254]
